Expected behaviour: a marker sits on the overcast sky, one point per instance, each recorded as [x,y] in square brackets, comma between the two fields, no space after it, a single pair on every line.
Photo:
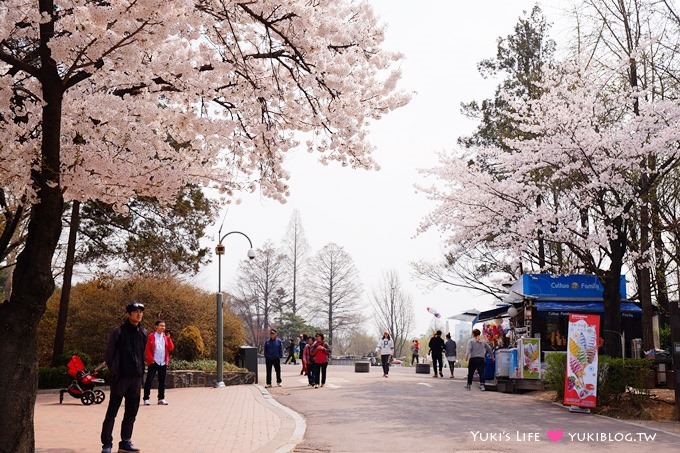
[374,215]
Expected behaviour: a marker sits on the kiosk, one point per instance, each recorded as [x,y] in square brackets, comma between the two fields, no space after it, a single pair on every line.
[533,319]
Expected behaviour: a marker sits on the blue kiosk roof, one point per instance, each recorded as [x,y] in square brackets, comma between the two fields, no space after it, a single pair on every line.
[563,293]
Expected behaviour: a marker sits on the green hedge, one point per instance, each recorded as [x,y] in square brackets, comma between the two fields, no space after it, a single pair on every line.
[615,376]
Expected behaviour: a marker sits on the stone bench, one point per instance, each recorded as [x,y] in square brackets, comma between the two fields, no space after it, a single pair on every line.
[423,368]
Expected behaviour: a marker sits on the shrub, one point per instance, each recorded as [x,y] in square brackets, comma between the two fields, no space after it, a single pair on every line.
[616,376]
[207,365]
[97,306]
[555,373]
[189,345]
[53,378]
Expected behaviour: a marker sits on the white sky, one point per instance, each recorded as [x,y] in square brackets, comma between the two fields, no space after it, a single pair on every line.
[374,215]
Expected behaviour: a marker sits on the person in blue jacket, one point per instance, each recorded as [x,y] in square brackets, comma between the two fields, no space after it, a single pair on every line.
[273,353]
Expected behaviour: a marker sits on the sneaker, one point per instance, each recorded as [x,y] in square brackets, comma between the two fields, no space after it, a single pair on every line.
[127,447]
[316,386]
[162,402]
[434,376]
[147,403]
[481,387]
[106,448]
[441,375]
[467,387]
[321,385]
[278,384]
[268,386]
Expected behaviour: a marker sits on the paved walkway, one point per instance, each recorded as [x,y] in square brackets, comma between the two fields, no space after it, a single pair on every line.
[237,419]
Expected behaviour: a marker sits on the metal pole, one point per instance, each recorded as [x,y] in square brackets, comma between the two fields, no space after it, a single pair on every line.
[220,327]
[220,343]
[219,332]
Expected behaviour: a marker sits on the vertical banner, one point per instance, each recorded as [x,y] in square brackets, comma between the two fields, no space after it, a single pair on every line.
[580,382]
[530,357]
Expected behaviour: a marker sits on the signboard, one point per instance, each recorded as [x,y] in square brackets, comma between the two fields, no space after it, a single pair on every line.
[530,357]
[566,287]
[580,382]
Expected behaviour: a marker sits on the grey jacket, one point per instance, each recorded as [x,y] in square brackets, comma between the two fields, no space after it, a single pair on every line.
[477,348]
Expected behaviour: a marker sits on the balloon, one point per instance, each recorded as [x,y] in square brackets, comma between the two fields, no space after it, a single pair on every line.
[434,312]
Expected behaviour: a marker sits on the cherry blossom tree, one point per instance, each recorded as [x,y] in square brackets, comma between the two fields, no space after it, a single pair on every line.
[585,148]
[108,101]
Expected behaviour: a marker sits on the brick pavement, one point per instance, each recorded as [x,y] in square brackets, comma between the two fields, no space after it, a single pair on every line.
[234,419]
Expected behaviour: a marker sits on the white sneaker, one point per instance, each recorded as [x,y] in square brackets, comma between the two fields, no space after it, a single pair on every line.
[147,403]
[162,402]
[481,387]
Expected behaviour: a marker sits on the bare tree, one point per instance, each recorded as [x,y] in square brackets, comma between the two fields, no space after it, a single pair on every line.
[259,290]
[394,309]
[335,289]
[295,249]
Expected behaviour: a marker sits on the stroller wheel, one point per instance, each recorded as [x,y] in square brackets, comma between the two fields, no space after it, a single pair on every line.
[99,396]
[88,397]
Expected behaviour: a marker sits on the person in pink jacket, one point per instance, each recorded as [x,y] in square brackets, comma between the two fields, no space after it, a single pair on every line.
[159,345]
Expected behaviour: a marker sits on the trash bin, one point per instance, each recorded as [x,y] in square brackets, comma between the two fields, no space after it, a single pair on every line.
[247,358]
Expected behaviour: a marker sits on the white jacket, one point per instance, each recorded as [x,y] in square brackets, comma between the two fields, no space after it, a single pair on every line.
[385,346]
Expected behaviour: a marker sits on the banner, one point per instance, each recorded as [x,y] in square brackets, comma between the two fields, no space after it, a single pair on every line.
[580,382]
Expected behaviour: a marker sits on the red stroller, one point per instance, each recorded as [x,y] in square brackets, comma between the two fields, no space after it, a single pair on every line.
[83,383]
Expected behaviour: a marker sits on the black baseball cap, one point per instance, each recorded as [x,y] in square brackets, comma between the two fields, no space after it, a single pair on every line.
[134,306]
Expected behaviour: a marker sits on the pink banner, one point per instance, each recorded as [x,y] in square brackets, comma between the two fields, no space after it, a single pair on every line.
[580,382]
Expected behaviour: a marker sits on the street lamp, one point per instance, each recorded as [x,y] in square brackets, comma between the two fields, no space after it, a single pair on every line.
[219,251]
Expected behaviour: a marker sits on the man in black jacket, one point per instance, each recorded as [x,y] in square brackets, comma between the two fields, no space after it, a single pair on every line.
[125,359]
[437,347]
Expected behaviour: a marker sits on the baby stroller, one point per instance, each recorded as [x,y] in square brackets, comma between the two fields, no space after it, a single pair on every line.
[83,383]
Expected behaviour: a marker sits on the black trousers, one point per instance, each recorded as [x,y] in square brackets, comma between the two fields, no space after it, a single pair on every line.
[276,363]
[130,389]
[437,358]
[476,363]
[319,373]
[150,373]
[385,360]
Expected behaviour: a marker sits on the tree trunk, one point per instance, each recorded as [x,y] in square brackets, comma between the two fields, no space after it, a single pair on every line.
[32,286]
[659,258]
[32,281]
[644,281]
[611,324]
[60,334]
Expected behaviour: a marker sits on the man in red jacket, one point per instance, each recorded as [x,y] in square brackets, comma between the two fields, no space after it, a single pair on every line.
[159,345]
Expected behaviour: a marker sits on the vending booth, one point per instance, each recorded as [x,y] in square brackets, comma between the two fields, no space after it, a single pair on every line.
[533,319]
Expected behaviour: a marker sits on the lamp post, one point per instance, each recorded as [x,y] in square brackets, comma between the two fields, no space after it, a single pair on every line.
[219,251]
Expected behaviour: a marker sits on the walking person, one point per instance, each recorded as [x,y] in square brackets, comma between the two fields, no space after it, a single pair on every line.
[475,354]
[450,346]
[415,351]
[320,353]
[291,353]
[386,349]
[301,346]
[159,345]
[437,348]
[125,359]
[307,363]
[273,353]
